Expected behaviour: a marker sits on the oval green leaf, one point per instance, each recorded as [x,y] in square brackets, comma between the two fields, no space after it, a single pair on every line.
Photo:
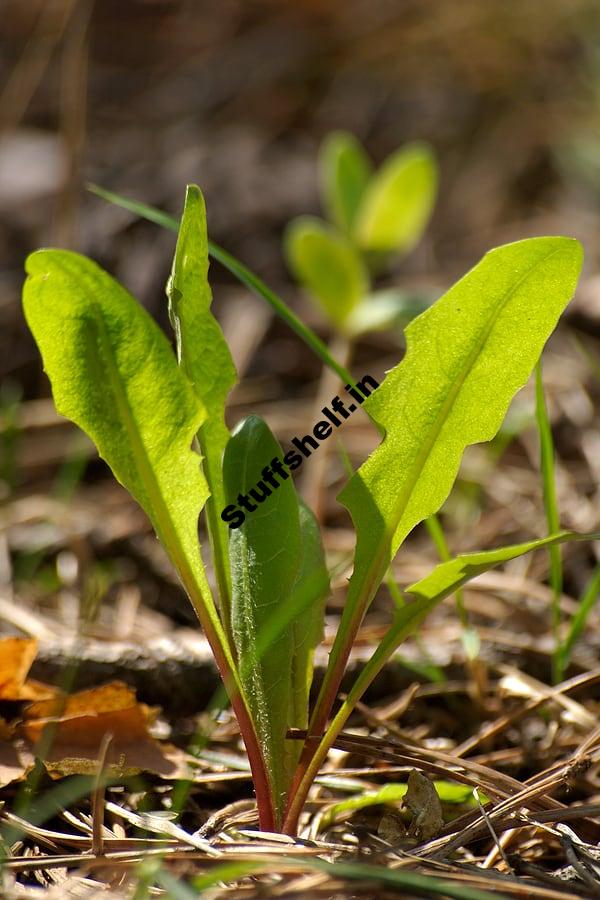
[398,202]
[327,265]
[345,171]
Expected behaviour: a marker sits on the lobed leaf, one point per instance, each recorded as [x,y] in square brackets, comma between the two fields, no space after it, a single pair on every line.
[206,360]
[113,373]
[345,171]
[327,265]
[466,358]
[398,201]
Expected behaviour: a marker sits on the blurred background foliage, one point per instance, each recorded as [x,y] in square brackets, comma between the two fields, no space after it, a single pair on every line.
[142,96]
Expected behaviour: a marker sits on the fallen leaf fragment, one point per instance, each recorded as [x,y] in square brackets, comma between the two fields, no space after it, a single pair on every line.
[16,656]
[74,727]
[424,803]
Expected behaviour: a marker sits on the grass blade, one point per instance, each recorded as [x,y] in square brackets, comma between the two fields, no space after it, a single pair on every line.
[577,623]
[551,510]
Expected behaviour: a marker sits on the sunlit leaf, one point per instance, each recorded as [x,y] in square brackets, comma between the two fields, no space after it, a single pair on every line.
[466,358]
[443,581]
[114,374]
[205,358]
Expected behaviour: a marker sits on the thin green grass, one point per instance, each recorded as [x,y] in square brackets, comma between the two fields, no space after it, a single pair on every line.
[577,624]
[552,514]
[469,636]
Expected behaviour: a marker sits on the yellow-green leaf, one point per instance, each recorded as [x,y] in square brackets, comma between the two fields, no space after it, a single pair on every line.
[114,374]
[327,265]
[466,358]
[398,201]
[345,170]
[205,358]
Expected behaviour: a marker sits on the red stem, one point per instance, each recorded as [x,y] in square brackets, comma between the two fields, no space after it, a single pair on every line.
[260,779]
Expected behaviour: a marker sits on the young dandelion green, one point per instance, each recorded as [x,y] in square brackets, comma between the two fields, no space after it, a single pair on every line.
[157,419]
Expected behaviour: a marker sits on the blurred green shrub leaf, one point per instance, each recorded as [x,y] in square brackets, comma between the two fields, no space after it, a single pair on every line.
[327,265]
[383,309]
[345,171]
[398,201]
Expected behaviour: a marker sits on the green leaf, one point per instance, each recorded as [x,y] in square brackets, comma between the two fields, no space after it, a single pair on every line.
[398,202]
[577,624]
[345,170]
[205,358]
[303,613]
[551,510]
[265,553]
[448,576]
[441,582]
[466,358]
[114,374]
[327,265]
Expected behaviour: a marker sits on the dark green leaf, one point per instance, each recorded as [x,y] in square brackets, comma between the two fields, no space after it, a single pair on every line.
[265,553]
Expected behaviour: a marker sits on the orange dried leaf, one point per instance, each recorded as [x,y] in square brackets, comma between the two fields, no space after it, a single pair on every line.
[109,697]
[81,721]
[16,657]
